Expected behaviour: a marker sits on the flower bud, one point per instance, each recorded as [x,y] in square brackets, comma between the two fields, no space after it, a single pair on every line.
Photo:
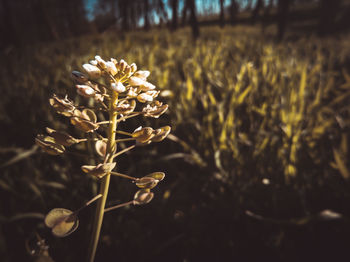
[110,68]
[79,77]
[133,67]
[142,74]
[85,91]
[118,87]
[100,62]
[147,96]
[93,71]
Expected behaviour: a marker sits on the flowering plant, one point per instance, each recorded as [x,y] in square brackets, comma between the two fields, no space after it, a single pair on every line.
[117,90]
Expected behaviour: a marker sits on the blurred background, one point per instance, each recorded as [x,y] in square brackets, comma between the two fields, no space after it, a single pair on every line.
[257,167]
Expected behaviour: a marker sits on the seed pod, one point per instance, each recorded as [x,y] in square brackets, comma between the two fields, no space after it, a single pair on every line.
[101,147]
[155,110]
[100,170]
[143,196]
[157,175]
[126,107]
[63,106]
[85,120]
[62,138]
[49,145]
[143,135]
[146,182]
[161,133]
[62,221]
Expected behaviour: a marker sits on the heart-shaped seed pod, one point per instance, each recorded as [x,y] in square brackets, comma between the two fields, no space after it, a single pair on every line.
[142,197]
[157,175]
[146,182]
[63,106]
[62,138]
[161,133]
[49,145]
[62,221]
[100,170]
[101,148]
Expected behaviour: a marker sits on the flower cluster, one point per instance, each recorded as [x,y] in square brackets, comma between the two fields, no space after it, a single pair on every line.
[120,91]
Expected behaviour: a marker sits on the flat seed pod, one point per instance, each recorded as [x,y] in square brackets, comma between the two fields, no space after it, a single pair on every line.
[143,196]
[159,136]
[146,182]
[100,170]
[89,115]
[62,106]
[157,175]
[143,135]
[62,221]
[62,137]
[101,147]
[49,145]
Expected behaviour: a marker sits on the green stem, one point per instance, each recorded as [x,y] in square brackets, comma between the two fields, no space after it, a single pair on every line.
[111,147]
[118,206]
[123,175]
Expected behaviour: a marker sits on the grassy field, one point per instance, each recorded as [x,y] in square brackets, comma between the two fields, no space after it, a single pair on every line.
[259,148]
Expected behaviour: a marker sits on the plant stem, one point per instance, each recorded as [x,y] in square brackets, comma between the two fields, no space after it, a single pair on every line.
[111,147]
[118,206]
[123,175]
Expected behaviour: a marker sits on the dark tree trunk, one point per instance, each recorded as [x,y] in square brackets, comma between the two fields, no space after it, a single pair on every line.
[174,5]
[233,11]
[124,13]
[328,12]
[146,11]
[193,18]
[222,13]
[283,10]
[184,13]
[255,14]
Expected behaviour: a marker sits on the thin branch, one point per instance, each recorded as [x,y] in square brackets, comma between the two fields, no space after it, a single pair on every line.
[123,175]
[123,151]
[118,206]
